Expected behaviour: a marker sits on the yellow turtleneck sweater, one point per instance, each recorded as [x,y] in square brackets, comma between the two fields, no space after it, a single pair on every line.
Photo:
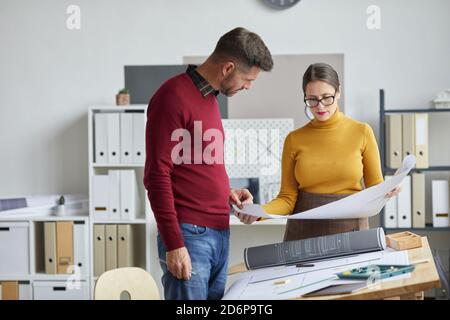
[328,157]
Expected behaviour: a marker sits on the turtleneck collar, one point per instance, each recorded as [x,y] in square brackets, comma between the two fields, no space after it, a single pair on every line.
[332,121]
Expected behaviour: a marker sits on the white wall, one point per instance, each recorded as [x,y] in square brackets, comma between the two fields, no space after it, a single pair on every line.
[49,75]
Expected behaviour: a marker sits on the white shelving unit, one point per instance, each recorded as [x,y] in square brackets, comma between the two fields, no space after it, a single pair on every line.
[145,218]
[35,277]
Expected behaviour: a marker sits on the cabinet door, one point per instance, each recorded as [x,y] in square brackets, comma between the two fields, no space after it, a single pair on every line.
[14,248]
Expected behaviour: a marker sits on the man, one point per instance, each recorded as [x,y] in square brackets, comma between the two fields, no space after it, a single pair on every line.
[187,184]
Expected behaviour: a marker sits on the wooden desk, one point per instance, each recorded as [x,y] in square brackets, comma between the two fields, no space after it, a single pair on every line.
[424,277]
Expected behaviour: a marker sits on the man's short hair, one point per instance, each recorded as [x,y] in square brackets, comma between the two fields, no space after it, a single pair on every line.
[245,48]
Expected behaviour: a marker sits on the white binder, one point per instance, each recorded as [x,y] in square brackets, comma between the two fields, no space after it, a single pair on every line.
[129,195]
[114,194]
[101,138]
[404,205]
[100,201]
[113,137]
[139,122]
[25,290]
[390,211]
[126,138]
[79,247]
[440,200]
[421,149]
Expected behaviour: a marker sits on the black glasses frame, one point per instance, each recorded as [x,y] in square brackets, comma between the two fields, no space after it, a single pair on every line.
[319,101]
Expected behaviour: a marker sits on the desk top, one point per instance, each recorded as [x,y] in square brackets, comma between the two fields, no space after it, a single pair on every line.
[424,277]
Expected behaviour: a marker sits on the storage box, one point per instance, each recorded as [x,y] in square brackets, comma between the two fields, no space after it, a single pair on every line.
[14,248]
[60,290]
[24,290]
[403,240]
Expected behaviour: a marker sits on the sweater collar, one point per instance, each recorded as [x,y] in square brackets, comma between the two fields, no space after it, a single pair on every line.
[332,121]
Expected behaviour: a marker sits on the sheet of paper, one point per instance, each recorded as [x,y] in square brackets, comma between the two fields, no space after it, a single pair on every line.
[261,283]
[363,204]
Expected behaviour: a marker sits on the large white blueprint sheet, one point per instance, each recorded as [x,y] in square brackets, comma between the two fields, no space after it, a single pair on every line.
[262,284]
[363,204]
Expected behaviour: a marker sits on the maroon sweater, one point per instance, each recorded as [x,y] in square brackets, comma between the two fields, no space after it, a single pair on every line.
[184,193]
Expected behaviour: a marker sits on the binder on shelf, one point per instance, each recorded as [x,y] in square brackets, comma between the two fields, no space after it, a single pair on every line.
[25,290]
[10,290]
[99,249]
[64,246]
[408,134]
[129,195]
[101,138]
[390,211]
[418,200]
[125,246]
[79,246]
[114,195]
[139,121]
[100,199]
[50,247]
[126,138]
[404,204]
[421,140]
[394,141]
[113,138]
[440,200]
[111,247]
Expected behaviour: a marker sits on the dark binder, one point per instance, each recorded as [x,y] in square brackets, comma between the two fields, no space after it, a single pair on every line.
[313,249]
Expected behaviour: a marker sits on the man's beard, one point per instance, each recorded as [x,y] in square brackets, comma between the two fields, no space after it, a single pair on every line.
[226,87]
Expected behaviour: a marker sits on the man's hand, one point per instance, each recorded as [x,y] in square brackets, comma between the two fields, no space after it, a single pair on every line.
[240,197]
[179,263]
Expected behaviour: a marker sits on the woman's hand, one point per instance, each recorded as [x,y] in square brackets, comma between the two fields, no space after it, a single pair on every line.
[394,192]
[246,218]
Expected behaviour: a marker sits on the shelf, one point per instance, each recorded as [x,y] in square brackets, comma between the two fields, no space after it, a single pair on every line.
[57,218]
[114,108]
[428,228]
[15,277]
[58,277]
[118,165]
[137,221]
[416,110]
[433,168]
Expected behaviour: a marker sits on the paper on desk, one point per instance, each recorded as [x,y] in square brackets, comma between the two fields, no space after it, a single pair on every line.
[363,204]
[260,284]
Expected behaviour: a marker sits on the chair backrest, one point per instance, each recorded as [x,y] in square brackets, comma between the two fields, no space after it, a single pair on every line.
[136,283]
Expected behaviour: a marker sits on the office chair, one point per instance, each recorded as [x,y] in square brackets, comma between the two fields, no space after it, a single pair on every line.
[126,284]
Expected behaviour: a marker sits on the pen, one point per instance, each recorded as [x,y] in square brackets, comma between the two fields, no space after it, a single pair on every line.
[192,272]
[304,265]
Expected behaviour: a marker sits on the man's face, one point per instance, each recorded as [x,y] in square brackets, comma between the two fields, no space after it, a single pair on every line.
[236,79]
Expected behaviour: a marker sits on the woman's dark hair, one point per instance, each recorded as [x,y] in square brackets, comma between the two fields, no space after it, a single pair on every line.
[321,72]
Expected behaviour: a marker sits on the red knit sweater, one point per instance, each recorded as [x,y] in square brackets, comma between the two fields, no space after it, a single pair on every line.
[194,193]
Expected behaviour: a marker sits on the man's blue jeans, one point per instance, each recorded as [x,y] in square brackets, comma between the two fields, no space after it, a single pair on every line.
[208,249]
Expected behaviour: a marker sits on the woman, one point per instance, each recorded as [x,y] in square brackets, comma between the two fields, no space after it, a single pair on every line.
[329,158]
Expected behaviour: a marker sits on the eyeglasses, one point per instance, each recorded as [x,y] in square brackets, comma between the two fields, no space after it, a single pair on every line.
[325,101]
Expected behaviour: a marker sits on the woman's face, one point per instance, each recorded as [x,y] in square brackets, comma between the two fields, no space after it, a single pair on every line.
[317,90]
